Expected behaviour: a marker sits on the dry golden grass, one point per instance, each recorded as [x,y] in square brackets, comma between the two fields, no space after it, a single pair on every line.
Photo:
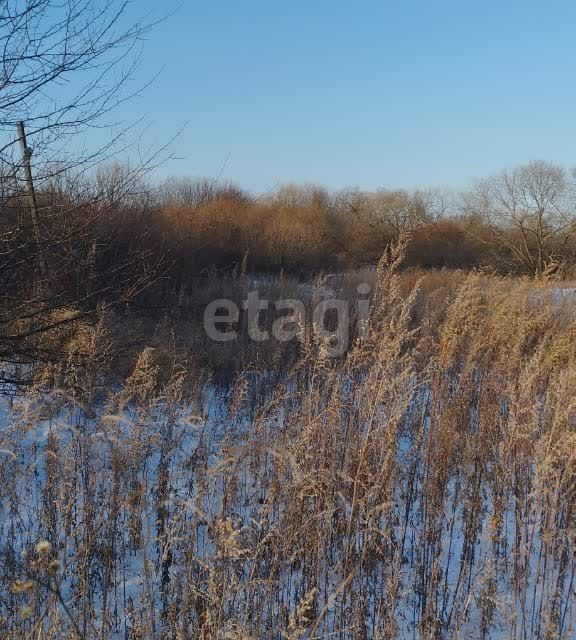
[424,486]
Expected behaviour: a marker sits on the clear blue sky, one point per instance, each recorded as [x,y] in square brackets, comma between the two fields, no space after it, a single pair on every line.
[367,94]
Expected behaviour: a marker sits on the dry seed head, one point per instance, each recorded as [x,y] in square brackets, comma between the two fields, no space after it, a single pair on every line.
[54,566]
[25,612]
[43,548]
[21,586]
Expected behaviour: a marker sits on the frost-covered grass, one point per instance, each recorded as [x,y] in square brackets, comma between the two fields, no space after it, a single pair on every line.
[422,487]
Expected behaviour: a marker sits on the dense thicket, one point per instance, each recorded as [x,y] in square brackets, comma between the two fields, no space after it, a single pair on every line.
[114,240]
[91,230]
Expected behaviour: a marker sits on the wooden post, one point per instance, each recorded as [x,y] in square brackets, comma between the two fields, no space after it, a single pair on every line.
[26,156]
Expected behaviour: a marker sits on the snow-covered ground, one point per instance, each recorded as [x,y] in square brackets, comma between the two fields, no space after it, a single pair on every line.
[147,485]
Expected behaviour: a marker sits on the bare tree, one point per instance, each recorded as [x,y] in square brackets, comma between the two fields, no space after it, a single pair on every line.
[191,193]
[66,65]
[398,210]
[530,213]
[388,214]
[434,205]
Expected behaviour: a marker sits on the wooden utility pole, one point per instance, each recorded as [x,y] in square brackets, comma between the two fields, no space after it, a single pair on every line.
[26,163]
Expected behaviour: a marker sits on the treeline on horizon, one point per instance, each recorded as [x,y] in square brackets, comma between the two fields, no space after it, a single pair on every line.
[113,245]
[115,231]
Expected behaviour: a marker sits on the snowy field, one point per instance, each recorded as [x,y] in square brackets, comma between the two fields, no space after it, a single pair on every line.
[390,496]
[149,487]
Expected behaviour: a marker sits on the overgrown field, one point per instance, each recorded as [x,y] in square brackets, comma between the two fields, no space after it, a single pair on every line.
[422,486]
